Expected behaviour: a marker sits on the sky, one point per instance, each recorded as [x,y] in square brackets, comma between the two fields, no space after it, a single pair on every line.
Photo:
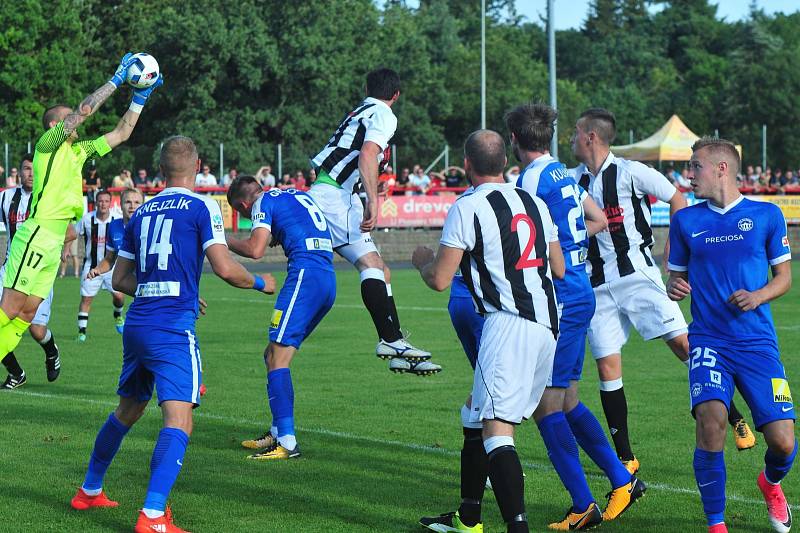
[572,13]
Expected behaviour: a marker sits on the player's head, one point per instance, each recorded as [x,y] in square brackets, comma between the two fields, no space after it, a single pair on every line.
[55,114]
[594,130]
[102,202]
[131,200]
[243,193]
[179,162]
[531,127]
[26,167]
[714,165]
[485,157]
[383,84]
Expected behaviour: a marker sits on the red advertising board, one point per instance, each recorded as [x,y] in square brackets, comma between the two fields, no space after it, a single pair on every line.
[414,211]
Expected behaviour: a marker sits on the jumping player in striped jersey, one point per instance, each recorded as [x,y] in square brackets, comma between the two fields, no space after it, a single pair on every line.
[14,210]
[291,219]
[351,160]
[160,263]
[563,421]
[623,272]
[94,228]
[506,246]
[721,253]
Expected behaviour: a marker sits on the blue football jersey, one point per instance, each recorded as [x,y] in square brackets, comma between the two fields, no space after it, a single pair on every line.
[547,178]
[297,224]
[722,251]
[115,233]
[167,238]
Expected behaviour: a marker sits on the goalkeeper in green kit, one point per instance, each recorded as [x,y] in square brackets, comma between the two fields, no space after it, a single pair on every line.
[57,200]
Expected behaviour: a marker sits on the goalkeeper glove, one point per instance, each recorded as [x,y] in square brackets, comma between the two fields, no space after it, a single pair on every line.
[140,96]
[122,71]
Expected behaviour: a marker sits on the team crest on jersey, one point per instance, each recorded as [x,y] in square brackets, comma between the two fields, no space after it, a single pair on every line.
[697,389]
[277,314]
[745,224]
[780,391]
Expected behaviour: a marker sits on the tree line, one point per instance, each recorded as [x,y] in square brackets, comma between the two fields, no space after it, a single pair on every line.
[255,73]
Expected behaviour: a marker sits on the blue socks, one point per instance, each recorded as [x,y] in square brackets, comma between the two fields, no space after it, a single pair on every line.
[165,466]
[106,446]
[591,437]
[776,466]
[563,452]
[709,471]
[281,402]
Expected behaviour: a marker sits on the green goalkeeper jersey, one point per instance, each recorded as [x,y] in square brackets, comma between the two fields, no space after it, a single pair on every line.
[57,196]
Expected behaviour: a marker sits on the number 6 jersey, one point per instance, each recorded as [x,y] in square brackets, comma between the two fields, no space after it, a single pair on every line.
[167,238]
[505,233]
[297,224]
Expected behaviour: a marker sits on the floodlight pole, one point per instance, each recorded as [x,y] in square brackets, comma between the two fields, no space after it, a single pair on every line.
[483,64]
[551,47]
[763,147]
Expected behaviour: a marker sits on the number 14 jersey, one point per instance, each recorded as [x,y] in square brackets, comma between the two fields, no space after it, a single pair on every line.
[167,238]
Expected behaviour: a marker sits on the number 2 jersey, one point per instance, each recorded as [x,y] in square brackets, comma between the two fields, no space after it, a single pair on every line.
[167,238]
[298,225]
[547,178]
[724,250]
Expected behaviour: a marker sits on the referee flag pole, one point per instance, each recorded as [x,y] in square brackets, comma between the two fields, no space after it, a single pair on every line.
[551,47]
[483,64]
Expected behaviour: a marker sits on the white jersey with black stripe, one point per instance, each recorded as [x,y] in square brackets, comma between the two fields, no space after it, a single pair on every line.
[15,204]
[505,233]
[372,120]
[93,230]
[622,188]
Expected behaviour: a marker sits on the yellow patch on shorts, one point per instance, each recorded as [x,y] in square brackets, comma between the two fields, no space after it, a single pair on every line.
[277,314]
[780,391]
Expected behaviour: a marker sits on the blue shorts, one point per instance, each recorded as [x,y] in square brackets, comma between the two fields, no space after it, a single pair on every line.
[756,370]
[468,324]
[571,347]
[166,358]
[305,298]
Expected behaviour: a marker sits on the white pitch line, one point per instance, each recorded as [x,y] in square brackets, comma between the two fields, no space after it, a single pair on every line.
[383,442]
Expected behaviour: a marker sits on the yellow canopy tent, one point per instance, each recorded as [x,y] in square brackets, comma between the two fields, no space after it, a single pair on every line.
[673,142]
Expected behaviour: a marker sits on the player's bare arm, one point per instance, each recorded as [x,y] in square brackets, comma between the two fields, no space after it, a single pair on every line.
[558,266]
[676,203]
[232,272]
[678,286]
[253,247]
[594,217]
[779,285]
[437,271]
[124,277]
[104,266]
[368,168]
[122,132]
[87,107]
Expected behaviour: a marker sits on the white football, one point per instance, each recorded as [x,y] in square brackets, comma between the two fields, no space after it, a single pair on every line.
[143,72]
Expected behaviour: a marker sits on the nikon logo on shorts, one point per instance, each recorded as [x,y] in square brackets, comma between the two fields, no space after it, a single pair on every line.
[276,319]
[780,391]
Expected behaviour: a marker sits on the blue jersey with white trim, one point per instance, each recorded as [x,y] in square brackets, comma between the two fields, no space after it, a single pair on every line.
[722,251]
[548,179]
[166,238]
[115,233]
[297,224]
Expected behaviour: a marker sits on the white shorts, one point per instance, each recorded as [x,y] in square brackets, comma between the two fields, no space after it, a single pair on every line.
[90,287]
[344,212]
[515,361]
[42,316]
[639,299]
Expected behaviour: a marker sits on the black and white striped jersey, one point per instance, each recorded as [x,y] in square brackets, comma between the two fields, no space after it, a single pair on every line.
[93,231]
[373,121]
[16,206]
[622,189]
[505,233]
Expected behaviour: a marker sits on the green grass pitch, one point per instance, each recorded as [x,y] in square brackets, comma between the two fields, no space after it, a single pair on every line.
[379,449]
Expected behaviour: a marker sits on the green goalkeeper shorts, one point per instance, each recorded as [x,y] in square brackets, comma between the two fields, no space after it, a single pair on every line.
[33,259]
